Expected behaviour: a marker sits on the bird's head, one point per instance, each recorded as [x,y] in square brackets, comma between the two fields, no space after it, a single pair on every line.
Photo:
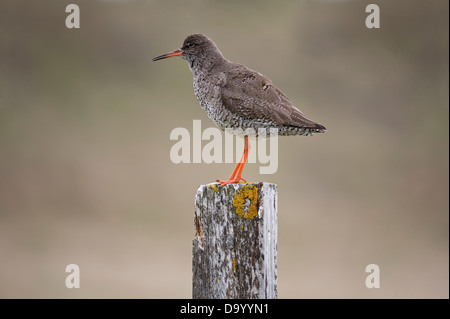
[197,49]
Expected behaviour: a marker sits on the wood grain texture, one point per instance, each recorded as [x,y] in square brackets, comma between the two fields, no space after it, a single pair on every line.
[235,244]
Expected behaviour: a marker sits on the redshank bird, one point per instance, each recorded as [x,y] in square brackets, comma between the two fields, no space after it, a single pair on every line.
[237,98]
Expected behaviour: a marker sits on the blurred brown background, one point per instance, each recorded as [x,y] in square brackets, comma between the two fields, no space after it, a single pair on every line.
[85,118]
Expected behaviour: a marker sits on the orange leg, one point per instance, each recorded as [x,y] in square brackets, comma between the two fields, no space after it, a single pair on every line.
[237,172]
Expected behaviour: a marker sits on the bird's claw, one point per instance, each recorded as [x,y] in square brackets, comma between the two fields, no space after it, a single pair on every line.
[230,181]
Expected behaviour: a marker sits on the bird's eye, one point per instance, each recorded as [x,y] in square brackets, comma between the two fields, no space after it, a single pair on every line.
[189,45]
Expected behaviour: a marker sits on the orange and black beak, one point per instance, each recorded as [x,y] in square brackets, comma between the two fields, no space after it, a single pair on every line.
[168,55]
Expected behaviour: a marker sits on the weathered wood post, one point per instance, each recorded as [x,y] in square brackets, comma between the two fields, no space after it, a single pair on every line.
[235,246]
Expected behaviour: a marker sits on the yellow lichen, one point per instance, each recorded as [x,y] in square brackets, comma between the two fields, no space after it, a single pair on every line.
[214,187]
[250,192]
[234,264]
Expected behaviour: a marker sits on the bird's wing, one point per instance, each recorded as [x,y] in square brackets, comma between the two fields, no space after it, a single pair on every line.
[252,95]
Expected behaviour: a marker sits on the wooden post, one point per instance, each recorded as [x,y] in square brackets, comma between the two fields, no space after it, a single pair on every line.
[235,247]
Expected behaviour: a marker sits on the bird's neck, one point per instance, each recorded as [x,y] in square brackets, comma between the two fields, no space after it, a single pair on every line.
[204,66]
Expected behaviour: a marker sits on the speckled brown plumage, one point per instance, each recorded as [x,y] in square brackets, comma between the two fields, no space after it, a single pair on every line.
[236,97]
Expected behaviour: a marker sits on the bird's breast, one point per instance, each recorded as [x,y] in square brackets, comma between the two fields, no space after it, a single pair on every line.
[207,91]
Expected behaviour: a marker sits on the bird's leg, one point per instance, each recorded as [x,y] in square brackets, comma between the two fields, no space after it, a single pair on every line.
[236,169]
[237,172]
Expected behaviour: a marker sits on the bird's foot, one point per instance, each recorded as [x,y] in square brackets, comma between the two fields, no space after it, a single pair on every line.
[230,181]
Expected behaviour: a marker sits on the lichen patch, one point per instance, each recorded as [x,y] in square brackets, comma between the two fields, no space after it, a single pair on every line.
[247,193]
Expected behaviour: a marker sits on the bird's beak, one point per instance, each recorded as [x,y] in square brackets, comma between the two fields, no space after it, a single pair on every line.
[168,55]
